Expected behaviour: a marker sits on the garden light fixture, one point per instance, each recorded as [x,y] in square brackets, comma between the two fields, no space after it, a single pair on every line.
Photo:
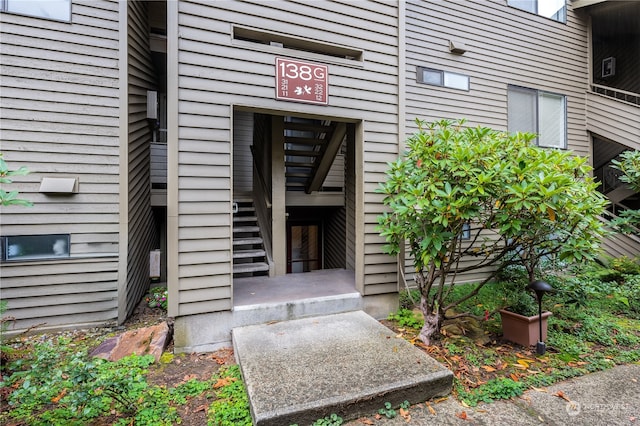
[540,288]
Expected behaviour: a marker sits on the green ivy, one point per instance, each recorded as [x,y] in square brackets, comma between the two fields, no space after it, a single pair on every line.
[59,386]
[407,318]
[231,408]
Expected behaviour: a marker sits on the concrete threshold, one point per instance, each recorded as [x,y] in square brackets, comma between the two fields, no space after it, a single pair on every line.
[349,364]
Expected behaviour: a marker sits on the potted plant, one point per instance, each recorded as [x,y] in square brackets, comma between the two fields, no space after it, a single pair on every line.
[520,319]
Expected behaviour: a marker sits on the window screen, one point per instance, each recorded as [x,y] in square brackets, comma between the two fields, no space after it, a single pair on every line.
[535,111]
[552,120]
[522,110]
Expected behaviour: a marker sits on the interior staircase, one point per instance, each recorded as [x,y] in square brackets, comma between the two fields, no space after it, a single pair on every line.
[310,148]
[249,256]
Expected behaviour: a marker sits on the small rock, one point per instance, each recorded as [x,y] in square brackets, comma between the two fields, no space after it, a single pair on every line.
[143,341]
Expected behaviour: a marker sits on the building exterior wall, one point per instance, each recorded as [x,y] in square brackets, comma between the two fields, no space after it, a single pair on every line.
[73,104]
[141,231]
[504,46]
[59,113]
[216,72]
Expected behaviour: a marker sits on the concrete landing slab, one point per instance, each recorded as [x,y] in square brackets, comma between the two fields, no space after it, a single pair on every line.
[301,370]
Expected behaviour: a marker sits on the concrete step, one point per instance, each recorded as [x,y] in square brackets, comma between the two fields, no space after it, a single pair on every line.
[242,254]
[244,268]
[301,370]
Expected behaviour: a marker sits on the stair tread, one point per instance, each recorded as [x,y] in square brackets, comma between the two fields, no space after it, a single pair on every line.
[246,209]
[238,229]
[301,153]
[295,164]
[250,267]
[246,241]
[245,218]
[241,254]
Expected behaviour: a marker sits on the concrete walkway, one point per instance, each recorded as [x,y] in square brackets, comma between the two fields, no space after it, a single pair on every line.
[301,370]
[610,397]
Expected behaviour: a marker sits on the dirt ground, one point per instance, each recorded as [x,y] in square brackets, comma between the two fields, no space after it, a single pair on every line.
[181,368]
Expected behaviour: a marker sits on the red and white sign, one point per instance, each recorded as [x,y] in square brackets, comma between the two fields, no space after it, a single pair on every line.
[302,82]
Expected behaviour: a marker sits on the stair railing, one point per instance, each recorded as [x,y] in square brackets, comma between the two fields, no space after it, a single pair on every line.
[262,202]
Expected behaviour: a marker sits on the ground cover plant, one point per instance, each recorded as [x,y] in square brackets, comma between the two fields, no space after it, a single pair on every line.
[595,325]
[49,379]
[461,199]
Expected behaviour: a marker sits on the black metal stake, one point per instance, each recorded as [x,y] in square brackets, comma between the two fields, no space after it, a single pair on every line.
[540,288]
[541,347]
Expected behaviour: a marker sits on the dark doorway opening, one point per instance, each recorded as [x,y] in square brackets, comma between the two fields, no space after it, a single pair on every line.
[304,247]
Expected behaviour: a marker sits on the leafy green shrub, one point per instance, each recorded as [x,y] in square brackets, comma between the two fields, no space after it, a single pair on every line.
[625,265]
[460,193]
[520,300]
[11,197]
[629,165]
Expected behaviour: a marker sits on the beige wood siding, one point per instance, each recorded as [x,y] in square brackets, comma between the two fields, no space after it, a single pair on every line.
[617,245]
[242,159]
[614,120]
[504,45]
[59,117]
[141,232]
[58,293]
[216,72]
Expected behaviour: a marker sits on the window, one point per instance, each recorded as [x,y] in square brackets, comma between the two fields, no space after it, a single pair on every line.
[443,78]
[535,111]
[30,247]
[552,9]
[59,10]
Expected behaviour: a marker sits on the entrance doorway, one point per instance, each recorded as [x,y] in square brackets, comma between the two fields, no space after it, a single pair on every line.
[304,247]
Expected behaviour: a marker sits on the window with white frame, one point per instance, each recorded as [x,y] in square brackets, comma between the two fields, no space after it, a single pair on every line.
[552,9]
[442,78]
[59,10]
[537,111]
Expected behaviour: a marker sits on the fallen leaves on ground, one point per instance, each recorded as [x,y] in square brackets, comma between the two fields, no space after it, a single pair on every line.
[562,395]
[224,382]
[462,415]
[405,414]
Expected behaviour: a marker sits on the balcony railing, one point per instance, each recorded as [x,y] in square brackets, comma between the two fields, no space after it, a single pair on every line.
[621,95]
[614,115]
